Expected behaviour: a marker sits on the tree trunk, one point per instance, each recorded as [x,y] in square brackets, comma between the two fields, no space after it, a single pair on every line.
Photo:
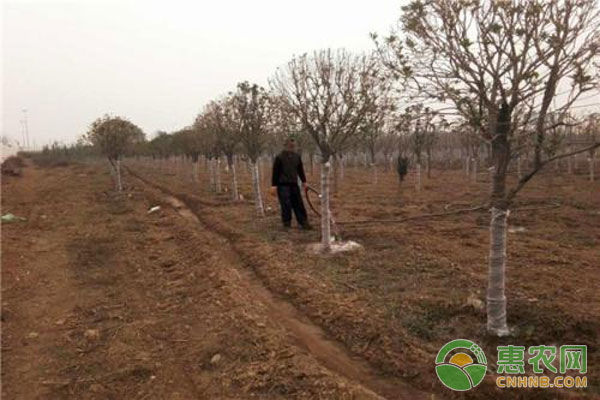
[258,202]
[235,196]
[195,170]
[335,181]
[325,217]
[570,165]
[113,173]
[218,175]
[475,165]
[519,170]
[211,172]
[496,300]
[119,184]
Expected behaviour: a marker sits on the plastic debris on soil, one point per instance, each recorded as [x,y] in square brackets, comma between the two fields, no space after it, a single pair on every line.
[11,218]
[335,247]
[517,229]
[153,209]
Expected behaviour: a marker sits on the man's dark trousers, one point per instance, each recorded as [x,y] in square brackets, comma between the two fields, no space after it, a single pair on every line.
[291,199]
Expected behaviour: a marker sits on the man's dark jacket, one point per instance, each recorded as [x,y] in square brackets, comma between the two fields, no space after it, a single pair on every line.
[287,169]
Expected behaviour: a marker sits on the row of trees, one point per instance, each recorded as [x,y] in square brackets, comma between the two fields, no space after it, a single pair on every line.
[497,75]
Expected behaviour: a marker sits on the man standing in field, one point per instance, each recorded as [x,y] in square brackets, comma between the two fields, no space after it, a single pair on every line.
[287,168]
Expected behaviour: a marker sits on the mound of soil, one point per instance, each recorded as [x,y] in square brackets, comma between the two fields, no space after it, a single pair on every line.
[12,166]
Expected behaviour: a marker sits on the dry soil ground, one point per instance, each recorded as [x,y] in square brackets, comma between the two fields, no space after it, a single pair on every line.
[421,283]
[102,300]
[202,300]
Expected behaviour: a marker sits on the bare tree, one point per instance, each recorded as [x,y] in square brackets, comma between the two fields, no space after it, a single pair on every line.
[251,103]
[188,142]
[210,150]
[326,92]
[420,120]
[378,115]
[490,58]
[221,119]
[114,136]
[592,129]
[388,144]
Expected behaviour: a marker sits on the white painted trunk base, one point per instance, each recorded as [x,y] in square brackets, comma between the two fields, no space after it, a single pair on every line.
[496,299]
[235,196]
[258,202]
[325,216]
[218,187]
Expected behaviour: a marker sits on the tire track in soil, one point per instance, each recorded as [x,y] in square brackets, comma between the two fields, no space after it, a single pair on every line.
[330,353]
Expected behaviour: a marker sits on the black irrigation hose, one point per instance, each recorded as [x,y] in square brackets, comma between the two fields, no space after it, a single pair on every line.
[443,214]
[422,216]
[336,231]
[310,189]
[378,221]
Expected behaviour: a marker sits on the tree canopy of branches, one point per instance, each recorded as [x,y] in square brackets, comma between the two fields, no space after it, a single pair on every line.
[220,118]
[252,105]
[328,93]
[114,136]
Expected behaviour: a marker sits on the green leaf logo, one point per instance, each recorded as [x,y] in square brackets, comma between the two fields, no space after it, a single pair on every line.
[460,365]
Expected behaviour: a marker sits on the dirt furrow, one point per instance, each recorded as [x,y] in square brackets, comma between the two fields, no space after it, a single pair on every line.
[103,300]
[330,353]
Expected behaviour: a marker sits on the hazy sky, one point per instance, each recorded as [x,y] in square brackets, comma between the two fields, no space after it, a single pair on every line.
[158,62]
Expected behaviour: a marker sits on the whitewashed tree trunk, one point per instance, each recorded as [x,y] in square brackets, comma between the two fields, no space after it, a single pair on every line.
[325,217]
[113,174]
[119,183]
[218,175]
[195,171]
[116,173]
[333,184]
[496,299]
[211,172]
[261,170]
[258,202]
[235,196]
